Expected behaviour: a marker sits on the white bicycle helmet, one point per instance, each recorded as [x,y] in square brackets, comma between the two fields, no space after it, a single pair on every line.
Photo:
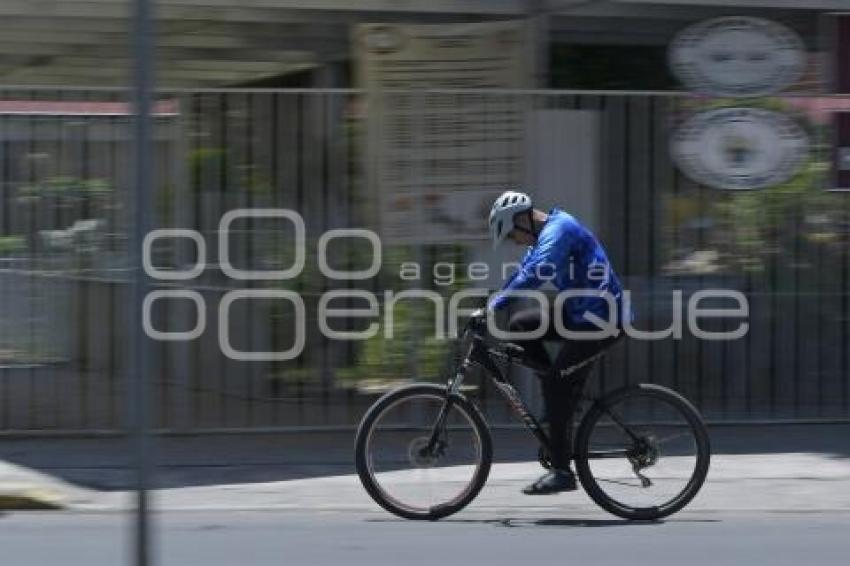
[505,208]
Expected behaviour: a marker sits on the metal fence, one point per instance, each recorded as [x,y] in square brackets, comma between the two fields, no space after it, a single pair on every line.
[348,159]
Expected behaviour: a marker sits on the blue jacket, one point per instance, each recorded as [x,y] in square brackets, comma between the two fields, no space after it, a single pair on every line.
[570,256]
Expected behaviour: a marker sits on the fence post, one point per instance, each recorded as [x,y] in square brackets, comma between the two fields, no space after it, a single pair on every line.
[139,399]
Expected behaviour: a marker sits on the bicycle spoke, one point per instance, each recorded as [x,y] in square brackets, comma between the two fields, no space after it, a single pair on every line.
[637,483]
[410,472]
[659,452]
[673,437]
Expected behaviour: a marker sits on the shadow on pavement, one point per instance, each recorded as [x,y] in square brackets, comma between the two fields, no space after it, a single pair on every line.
[556,522]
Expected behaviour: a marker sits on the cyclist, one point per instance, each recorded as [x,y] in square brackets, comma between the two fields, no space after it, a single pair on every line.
[565,254]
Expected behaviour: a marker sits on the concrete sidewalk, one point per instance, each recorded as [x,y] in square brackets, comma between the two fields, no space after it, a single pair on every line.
[760,468]
[782,483]
[105,463]
[777,483]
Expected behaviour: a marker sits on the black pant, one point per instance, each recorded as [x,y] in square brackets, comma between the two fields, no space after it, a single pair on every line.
[561,394]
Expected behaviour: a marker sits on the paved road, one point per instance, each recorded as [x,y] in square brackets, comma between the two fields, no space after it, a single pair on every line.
[257,538]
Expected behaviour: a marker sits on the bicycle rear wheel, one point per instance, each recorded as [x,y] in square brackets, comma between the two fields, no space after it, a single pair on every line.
[642,452]
[405,475]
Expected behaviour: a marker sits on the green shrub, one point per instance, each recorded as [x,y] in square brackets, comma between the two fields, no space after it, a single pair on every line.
[10,245]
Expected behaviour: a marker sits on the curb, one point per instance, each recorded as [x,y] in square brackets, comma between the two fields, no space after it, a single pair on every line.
[29,499]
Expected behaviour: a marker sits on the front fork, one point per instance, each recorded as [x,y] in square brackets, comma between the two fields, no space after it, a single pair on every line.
[436,440]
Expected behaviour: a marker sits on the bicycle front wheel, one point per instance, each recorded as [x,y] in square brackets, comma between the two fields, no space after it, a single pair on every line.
[642,452]
[414,463]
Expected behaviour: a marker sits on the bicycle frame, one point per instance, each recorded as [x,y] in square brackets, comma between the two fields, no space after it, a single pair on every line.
[480,355]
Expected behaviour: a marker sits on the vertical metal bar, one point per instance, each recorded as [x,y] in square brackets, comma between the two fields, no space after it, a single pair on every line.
[253,236]
[139,402]
[845,323]
[84,285]
[773,351]
[276,200]
[179,205]
[651,182]
[162,215]
[626,195]
[221,201]
[603,165]
[36,211]
[300,139]
[5,196]
[672,116]
[318,214]
[7,229]
[345,182]
[419,181]
[748,353]
[325,134]
[798,377]
[822,322]
[196,175]
[700,354]
[700,385]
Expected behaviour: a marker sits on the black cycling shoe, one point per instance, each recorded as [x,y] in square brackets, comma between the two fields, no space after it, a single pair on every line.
[554,481]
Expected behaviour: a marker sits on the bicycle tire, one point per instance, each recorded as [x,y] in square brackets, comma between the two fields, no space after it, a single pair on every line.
[591,486]
[371,485]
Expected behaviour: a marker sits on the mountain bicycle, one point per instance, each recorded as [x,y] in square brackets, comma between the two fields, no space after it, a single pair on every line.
[423,451]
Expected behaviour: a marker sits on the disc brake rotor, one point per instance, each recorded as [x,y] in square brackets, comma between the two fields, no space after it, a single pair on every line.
[420,456]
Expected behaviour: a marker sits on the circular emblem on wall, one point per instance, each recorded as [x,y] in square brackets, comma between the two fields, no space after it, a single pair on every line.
[740,148]
[383,38]
[737,56]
